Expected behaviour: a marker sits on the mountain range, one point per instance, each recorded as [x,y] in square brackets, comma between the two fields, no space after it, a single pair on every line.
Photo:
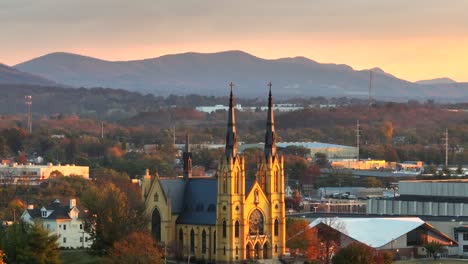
[13,76]
[210,73]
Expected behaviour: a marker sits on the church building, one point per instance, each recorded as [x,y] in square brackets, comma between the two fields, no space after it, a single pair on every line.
[224,218]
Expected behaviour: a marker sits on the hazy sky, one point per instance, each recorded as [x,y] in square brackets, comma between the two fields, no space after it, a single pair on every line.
[413,39]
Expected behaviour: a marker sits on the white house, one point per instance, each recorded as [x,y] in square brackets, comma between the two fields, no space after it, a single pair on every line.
[63,220]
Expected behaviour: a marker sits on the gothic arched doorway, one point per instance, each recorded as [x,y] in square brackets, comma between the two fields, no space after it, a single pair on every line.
[257,251]
[156,225]
[265,250]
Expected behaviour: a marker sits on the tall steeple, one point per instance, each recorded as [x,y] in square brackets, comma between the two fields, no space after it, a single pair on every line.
[270,135]
[187,156]
[231,135]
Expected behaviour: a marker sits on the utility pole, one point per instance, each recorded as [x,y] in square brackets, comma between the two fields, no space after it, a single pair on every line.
[358,135]
[446,141]
[28,102]
[102,129]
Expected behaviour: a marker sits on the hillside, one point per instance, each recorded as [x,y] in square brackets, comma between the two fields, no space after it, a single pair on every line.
[209,74]
[9,75]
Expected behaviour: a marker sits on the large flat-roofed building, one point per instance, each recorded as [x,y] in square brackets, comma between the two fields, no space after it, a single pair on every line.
[443,202]
[426,197]
[332,151]
[34,174]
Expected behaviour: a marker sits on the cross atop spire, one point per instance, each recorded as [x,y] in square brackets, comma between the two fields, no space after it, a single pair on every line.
[231,135]
[270,135]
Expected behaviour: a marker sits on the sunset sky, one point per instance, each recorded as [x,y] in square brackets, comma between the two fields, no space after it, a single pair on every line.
[412,39]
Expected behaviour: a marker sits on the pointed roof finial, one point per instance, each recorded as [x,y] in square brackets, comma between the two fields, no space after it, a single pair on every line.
[231,135]
[270,136]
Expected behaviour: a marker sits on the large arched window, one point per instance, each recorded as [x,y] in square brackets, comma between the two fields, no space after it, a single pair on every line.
[192,241]
[203,242]
[224,229]
[236,229]
[181,237]
[236,184]
[156,225]
[276,227]
[225,182]
[214,242]
[275,182]
[256,223]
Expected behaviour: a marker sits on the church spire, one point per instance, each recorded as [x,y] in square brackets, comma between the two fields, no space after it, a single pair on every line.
[231,135]
[187,156]
[270,136]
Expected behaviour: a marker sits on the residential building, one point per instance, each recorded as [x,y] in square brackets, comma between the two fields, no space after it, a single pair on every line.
[66,221]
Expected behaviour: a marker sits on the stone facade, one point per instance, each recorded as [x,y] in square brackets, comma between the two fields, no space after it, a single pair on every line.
[224,218]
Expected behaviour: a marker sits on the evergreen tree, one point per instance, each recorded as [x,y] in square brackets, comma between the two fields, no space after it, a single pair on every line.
[29,243]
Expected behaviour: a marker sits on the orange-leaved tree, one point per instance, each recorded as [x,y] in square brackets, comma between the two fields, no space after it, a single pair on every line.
[300,238]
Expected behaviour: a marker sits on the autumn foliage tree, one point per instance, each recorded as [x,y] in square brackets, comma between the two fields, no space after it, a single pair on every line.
[136,247]
[357,253]
[300,238]
[112,215]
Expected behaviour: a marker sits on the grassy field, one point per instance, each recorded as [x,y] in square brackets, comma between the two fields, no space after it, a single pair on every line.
[77,257]
[431,261]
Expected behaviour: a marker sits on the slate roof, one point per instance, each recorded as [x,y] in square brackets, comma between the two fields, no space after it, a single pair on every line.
[199,202]
[59,211]
[174,189]
[195,199]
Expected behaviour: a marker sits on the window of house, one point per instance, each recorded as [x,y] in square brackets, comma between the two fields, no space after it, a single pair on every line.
[64,240]
[81,239]
[44,213]
[156,197]
[465,248]
[236,229]
[276,248]
[86,239]
[81,226]
[237,251]
[456,236]
[224,251]
[64,227]
[465,236]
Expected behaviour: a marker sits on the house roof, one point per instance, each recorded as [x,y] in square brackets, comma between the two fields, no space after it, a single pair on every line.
[59,211]
[374,232]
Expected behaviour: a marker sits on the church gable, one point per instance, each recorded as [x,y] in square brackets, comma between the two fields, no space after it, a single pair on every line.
[256,197]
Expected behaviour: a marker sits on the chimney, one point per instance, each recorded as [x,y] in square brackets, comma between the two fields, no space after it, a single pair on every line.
[72,203]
